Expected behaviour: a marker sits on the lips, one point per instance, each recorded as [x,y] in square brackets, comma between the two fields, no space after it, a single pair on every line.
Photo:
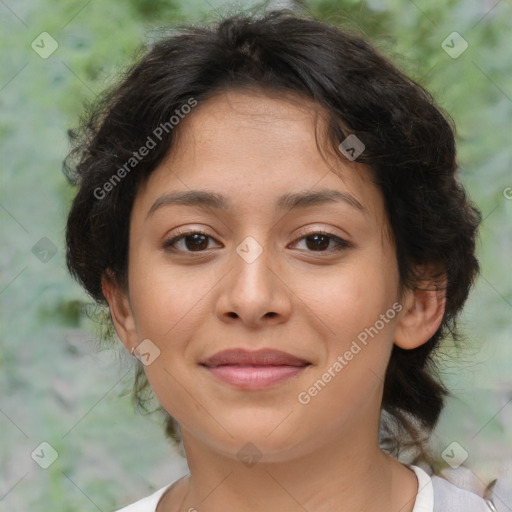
[254,370]
[262,357]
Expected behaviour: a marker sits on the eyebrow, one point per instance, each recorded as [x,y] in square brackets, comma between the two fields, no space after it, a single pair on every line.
[204,199]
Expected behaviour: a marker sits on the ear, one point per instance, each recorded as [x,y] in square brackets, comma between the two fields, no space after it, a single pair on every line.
[422,313]
[120,310]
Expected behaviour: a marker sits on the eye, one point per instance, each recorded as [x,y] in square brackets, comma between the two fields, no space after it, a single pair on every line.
[198,241]
[320,241]
[192,241]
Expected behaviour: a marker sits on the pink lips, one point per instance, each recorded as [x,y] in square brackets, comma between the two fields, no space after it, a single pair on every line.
[254,369]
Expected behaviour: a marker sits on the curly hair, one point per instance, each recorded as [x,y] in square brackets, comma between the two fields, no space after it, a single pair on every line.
[409,149]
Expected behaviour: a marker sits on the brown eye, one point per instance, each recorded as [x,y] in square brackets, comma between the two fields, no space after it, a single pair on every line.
[198,241]
[321,242]
[193,241]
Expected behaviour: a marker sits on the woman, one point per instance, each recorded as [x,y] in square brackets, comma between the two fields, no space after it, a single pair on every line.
[272,212]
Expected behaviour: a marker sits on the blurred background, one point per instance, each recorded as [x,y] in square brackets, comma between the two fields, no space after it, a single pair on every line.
[69,436]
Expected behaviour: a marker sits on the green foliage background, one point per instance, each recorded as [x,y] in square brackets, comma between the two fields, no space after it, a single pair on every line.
[57,384]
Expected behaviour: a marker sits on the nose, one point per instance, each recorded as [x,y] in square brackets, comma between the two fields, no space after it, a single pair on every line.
[255,292]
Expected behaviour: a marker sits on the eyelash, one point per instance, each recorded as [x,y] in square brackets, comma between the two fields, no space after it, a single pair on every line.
[341,244]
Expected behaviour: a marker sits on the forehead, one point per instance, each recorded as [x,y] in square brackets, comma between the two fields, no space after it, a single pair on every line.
[250,127]
[254,147]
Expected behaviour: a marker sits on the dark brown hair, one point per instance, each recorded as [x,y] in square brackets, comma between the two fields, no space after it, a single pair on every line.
[409,148]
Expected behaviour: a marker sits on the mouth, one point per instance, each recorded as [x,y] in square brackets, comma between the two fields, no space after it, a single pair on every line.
[254,369]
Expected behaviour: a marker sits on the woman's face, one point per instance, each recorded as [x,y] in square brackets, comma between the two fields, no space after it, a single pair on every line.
[315,278]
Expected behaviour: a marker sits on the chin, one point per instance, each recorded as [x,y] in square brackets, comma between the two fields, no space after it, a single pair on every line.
[278,441]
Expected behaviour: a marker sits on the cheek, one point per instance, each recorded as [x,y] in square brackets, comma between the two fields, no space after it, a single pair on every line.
[352,298]
[175,392]
[357,322]
[167,300]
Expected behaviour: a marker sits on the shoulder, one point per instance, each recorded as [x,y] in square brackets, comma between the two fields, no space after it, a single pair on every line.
[448,496]
[147,504]
[437,494]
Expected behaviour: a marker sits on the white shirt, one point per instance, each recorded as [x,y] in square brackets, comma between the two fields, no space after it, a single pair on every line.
[435,494]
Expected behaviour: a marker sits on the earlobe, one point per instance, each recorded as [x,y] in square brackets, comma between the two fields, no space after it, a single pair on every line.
[422,314]
[120,310]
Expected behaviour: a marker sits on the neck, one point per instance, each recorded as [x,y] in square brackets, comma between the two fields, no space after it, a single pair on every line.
[346,474]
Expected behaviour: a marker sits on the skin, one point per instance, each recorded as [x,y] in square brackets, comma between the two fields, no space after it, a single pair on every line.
[253,147]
